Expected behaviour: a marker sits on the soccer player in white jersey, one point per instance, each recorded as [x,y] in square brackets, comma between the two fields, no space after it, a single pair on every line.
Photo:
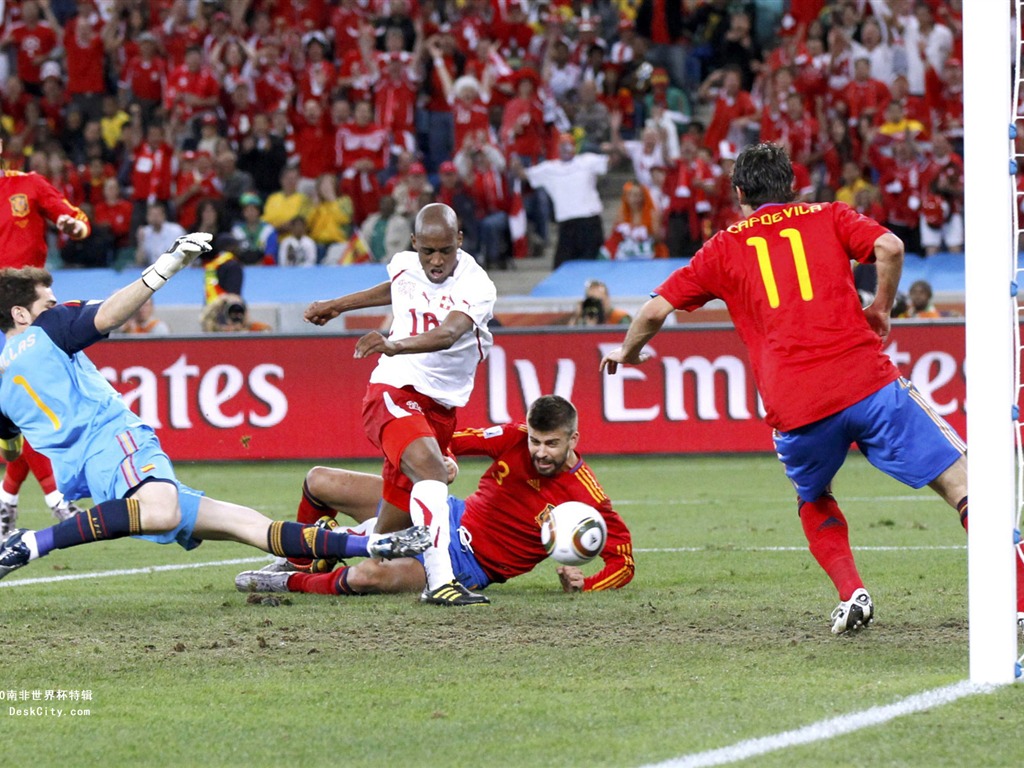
[441,300]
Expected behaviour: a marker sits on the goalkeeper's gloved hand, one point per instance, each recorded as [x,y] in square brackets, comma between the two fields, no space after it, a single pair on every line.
[182,253]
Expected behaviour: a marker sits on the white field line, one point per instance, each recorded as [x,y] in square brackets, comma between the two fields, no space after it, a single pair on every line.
[248,560]
[131,571]
[826,729]
[799,549]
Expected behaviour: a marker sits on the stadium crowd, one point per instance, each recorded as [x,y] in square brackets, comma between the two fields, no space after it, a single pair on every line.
[314,130]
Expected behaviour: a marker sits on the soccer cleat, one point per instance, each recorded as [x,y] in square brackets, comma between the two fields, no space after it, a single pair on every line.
[853,614]
[262,581]
[65,510]
[280,565]
[407,543]
[14,553]
[8,517]
[453,593]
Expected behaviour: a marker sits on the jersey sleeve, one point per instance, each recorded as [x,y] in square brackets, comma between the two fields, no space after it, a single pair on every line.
[71,326]
[476,298]
[857,231]
[492,441]
[688,288]
[617,555]
[54,204]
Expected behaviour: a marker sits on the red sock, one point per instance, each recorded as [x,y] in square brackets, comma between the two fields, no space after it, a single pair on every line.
[310,510]
[15,475]
[829,541]
[334,583]
[1018,551]
[41,468]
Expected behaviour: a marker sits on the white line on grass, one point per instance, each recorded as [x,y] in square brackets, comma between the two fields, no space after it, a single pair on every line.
[130,571]
[827,729]
[247,560]
[799,549]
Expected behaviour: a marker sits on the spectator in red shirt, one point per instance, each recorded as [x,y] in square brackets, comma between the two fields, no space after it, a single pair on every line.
[112,221]
[34,41]
[84,49]
[661,23]
[864,95]
[144,76]
[313,133]
[361,153]
[191,87]
[440,53]
[394,99]
[901,194]
[194,183]
[150,172]
[490,192]
[734,110]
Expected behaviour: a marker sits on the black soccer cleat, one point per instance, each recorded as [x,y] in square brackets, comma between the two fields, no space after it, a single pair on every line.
[452,594]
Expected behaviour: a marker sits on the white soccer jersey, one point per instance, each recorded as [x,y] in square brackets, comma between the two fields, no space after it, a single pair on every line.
[419,305]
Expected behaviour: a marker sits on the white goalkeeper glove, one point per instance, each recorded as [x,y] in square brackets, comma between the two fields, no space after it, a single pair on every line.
[182,253]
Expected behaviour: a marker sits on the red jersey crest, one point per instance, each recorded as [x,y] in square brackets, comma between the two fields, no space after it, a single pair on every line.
[19,205]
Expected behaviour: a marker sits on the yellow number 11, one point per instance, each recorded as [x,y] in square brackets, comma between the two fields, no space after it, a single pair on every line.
[764,261]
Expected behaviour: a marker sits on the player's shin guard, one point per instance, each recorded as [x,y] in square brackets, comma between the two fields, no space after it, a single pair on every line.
[312,542]
[428,505]
[829,541]
[109,520]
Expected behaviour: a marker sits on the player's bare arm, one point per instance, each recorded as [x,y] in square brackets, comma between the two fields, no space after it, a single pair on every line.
[889,264]
[645,325]
[322,312]
[454,327]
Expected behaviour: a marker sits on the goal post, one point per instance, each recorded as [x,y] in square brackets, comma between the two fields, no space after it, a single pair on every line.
[990,272]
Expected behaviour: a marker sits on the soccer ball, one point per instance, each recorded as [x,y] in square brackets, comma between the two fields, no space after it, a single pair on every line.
[573,533]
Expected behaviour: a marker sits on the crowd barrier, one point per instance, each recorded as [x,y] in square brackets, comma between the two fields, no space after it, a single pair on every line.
[299,397]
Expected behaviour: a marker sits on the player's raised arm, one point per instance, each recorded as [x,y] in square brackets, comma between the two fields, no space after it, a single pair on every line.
[322,312]
[116,310]
[645,325]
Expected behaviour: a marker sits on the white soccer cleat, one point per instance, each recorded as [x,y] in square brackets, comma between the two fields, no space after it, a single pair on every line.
[8,519]
[262,581]
[853,614]
[65,510]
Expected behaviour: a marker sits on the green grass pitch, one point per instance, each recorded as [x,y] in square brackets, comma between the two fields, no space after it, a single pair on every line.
[722,636]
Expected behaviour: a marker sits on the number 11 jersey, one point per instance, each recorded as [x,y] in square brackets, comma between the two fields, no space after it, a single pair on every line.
[784,273]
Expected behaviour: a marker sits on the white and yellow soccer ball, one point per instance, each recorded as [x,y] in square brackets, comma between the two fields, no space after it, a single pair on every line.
[573,533]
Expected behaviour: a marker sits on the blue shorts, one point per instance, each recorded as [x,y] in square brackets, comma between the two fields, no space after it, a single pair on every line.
[460,549]
[135,457]
[894,428]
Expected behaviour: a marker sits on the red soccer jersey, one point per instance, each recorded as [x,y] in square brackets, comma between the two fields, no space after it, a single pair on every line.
[84,48]
[27,201]
[32,45]
[503,514]
[784,273]
[145,77]
[117,216]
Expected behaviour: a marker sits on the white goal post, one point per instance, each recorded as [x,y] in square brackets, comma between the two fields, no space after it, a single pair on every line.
[990,270]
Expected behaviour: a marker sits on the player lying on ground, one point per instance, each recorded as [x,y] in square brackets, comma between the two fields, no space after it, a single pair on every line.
[535,468]
[817,354]
[52,394]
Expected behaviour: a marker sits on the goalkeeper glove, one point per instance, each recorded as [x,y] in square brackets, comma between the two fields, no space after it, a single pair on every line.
[182,253]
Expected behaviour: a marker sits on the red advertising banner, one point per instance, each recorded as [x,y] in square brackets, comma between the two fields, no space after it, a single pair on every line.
[299,397]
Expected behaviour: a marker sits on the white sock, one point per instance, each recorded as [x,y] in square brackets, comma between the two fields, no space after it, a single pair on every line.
[8,498]
[29,538]
[53,499]
[433,495]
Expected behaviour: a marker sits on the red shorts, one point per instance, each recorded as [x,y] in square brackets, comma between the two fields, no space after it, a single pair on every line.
[393,417]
